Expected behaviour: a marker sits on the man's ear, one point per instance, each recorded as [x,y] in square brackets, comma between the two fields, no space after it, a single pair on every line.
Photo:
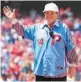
[44,15]
[57,14]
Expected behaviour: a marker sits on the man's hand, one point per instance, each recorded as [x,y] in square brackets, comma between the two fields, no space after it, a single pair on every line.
[71,71]
[8,13]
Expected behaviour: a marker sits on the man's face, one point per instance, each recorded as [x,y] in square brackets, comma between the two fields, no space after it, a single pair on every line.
[50,16]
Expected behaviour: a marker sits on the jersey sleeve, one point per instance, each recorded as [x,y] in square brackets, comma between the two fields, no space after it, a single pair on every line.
[29,32]
[72,56]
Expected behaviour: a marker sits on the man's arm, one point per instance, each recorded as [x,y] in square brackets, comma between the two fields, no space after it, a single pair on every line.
[19,29]
[71,54]
[11,16]
[27,32]
[72,58]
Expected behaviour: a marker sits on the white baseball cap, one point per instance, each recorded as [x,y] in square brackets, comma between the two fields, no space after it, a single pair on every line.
[51,7]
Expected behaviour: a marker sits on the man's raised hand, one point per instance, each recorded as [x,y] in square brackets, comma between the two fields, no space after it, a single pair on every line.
[8,13]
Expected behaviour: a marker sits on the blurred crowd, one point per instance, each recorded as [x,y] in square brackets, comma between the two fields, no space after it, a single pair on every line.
[17,54]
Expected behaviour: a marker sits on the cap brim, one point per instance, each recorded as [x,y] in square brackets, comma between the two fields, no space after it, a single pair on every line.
[47,10]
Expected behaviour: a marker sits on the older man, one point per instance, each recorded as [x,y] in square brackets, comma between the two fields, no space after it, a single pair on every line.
[52,44]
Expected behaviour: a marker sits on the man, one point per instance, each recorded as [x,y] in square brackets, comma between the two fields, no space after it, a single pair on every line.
[52,44]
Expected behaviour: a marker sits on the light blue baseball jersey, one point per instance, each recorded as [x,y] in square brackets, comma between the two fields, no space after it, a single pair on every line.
[50,59]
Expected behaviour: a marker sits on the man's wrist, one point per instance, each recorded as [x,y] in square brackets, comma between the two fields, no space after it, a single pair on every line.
[72,65]
[14,21]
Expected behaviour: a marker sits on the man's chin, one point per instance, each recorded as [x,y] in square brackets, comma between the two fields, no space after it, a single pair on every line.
[50,23]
